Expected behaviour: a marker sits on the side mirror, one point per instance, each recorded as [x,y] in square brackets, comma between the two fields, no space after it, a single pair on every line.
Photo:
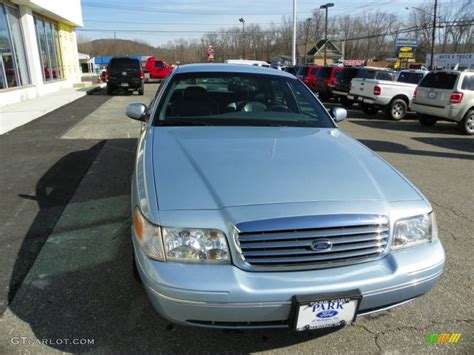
[137,112]
[338,113]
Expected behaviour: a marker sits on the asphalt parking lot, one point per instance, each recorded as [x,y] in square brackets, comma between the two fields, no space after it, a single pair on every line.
[67,259]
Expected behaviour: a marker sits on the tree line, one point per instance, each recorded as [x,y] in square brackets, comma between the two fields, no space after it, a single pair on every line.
[368,36]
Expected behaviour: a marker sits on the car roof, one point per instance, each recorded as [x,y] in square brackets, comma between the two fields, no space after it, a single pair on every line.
[229,68]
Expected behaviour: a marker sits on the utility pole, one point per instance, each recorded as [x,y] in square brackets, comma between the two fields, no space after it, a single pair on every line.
[433,35]
[308,21]
[243,34]
[293,44]
[326,7]
[115,35]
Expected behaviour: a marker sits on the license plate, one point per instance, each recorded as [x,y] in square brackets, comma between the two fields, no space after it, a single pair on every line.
[325,312]
[124,85]
[361,99]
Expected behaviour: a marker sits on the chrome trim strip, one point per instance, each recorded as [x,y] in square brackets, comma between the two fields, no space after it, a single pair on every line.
[404,285]
[311,222]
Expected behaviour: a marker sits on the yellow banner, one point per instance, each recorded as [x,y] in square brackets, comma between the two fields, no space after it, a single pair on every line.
[406,55]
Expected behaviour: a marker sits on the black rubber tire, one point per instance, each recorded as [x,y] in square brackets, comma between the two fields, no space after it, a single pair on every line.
[466,125]
[141,91]
[369,110]
[397,109]
[110,90]
[346,102]
[427,121]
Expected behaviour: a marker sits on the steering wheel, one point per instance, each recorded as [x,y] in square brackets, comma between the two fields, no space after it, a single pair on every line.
[254,106]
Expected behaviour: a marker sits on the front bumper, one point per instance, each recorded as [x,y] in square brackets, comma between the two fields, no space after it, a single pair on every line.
[225,296]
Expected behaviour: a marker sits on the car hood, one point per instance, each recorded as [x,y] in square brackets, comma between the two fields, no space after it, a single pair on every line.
[217,167]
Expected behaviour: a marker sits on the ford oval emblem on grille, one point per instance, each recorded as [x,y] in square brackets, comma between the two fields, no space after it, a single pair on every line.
[321,245]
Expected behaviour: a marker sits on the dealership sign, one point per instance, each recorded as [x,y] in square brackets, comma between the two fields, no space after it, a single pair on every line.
[406,48]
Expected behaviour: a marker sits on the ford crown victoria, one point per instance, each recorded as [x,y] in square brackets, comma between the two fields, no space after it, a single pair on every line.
[251,209]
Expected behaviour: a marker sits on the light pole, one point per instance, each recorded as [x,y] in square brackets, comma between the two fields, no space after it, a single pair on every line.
[308,21]
[433,31]
[293,42]
[243,34]
[326,7]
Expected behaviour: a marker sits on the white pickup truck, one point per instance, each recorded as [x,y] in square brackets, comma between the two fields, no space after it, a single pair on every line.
[393,97]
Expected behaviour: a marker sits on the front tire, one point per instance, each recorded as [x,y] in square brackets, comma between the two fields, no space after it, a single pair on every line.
[141,91]
[397,109]
[369,109]
[427,121]
[466,126]
[110,90]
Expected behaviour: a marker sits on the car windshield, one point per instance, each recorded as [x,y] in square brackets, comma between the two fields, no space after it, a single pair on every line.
[440,80]
[366,74]
[239,99]
[410,78]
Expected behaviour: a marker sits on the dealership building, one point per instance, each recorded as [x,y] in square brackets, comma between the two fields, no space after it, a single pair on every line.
[38,48]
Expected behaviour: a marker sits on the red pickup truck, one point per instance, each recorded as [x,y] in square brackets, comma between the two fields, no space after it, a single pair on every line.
[156,69]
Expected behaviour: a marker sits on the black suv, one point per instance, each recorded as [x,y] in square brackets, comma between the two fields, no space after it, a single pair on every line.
[344,77]
[126,74]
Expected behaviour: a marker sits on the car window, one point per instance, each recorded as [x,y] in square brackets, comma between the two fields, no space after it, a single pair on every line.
[324,73]
[159,65]
[439,80]
[366,74]
[239,99]
[383,76]
[302,71]
[347,74]
[468,83]
[314,71]
[410,78]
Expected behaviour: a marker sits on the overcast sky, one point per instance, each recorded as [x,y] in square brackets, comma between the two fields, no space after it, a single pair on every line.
[192,18]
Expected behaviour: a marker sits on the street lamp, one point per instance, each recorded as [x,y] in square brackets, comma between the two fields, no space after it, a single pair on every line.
[433,31]
[243,33]
[326,7]
[307,22]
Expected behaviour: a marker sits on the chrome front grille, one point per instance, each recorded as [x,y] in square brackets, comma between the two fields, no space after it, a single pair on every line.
[324,241]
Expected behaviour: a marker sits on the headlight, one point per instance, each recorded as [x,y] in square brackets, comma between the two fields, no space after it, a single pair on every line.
[195,245]
[148,236]
[414,230]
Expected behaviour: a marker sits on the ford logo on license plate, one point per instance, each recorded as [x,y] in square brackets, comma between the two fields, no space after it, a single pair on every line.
[321,245]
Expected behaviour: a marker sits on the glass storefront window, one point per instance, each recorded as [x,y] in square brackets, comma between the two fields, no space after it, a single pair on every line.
[48,44]
[13,65]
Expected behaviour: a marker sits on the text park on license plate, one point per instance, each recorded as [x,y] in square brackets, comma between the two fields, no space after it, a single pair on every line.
[124,85]
[325,313]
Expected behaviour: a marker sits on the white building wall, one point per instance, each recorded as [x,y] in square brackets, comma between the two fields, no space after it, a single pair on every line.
[38,87]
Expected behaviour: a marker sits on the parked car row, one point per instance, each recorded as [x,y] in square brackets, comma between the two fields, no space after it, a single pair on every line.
[433,96]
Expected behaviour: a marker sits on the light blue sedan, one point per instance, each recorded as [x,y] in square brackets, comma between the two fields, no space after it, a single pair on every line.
[251,208]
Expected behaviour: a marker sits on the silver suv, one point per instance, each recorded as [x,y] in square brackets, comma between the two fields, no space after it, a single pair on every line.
[446,95]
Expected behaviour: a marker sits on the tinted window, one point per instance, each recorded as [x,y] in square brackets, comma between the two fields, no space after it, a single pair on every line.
[384,76]
[440,80]
[366,74]
[468,83]
[315,71]
[324,73]
[410,78]
[239,99]
[302,71]
[347,74]
[159,65]
[124,64]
